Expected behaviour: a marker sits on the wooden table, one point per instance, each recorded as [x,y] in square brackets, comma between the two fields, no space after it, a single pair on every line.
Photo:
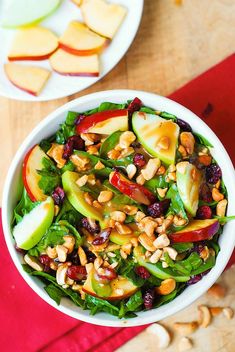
[174,44]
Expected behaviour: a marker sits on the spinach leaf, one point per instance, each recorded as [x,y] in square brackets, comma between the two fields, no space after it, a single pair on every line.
[176,206]
[182,247]
[224,219]
[54,292]
[165,299]
[54,236]
[223,189]
[185,266]
[69,213]
[147,110]
[109,143]
[110,106]
[27,268]
[67,129]
[45,145]
[156,182]
[50,176]
[208,264]
[132,305]
[71,117]
[66,291]
[69,166]
[213,244]
[202,140]
[24,206]
[100,305]
[168,116]
[127,270]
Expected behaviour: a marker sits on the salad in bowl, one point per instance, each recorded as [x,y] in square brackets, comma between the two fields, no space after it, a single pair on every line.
[122,209]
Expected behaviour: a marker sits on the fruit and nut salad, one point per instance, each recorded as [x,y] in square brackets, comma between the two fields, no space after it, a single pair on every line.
[121,209]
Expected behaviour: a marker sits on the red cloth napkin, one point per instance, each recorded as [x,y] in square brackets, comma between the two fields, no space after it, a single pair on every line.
[28,324]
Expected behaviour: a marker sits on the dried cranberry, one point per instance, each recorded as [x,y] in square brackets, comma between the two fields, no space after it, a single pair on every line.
[107,274]
[77,272]
[194,279]
[102,237]
[213,173]
[205,193]
[90,225]
[44,259]
[79,119]
[204,212]
[73,142]
[142,272]
[58,195]
[148,298]
[20,250]
[184,126]
[159,208]
[90,256]
[134,105]
[139,160]
[74,258]
[47,269]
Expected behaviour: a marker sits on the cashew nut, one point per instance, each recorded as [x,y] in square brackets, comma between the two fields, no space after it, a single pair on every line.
[186,328]
[204,316]
[161,333]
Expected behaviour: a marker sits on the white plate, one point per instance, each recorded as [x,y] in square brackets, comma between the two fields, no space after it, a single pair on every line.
[60,86]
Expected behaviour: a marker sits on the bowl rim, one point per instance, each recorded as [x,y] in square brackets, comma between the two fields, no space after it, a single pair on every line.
[177,304]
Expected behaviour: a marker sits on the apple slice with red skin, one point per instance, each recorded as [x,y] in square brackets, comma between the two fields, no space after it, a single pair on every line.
[78,39]
[104,122]
[33,43]
[31,79]
[137,192]
[68,64]
[196,230]
[127,287]
[32,163]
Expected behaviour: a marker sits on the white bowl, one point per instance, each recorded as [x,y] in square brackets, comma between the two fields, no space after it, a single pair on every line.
[46,128]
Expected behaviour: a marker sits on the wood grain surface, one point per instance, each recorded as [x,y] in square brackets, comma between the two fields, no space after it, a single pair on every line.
[174,44]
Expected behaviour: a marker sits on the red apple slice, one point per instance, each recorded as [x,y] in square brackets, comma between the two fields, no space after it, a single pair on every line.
[104,122]
[72,65]
[31,79]
[32,163]
[137,192]
[33,43]
[120,284]
[196,230]
[79,40]
[101,17]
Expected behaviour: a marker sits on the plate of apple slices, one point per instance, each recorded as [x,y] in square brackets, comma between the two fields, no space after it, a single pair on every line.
[54,49]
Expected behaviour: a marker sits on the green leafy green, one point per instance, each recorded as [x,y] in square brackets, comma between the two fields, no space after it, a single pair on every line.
[202,140]
[68,292]
[182,247]
[24,206]
[176,206]
[67,129]
[54,236]
[127,270]
[45,145]
[168,116]
[100,305]
[224,219]
[208,264]
[185,266]
[156,182]
[54,292]
[50,176]
[109,143]
[69,213]
[132,305]
[110,106]
[147,110]
[165,299]
[69,166]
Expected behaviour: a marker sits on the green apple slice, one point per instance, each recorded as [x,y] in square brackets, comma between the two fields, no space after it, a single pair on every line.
[17,13]
[188,182]
[34,225]
[76,197]
[158,136]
